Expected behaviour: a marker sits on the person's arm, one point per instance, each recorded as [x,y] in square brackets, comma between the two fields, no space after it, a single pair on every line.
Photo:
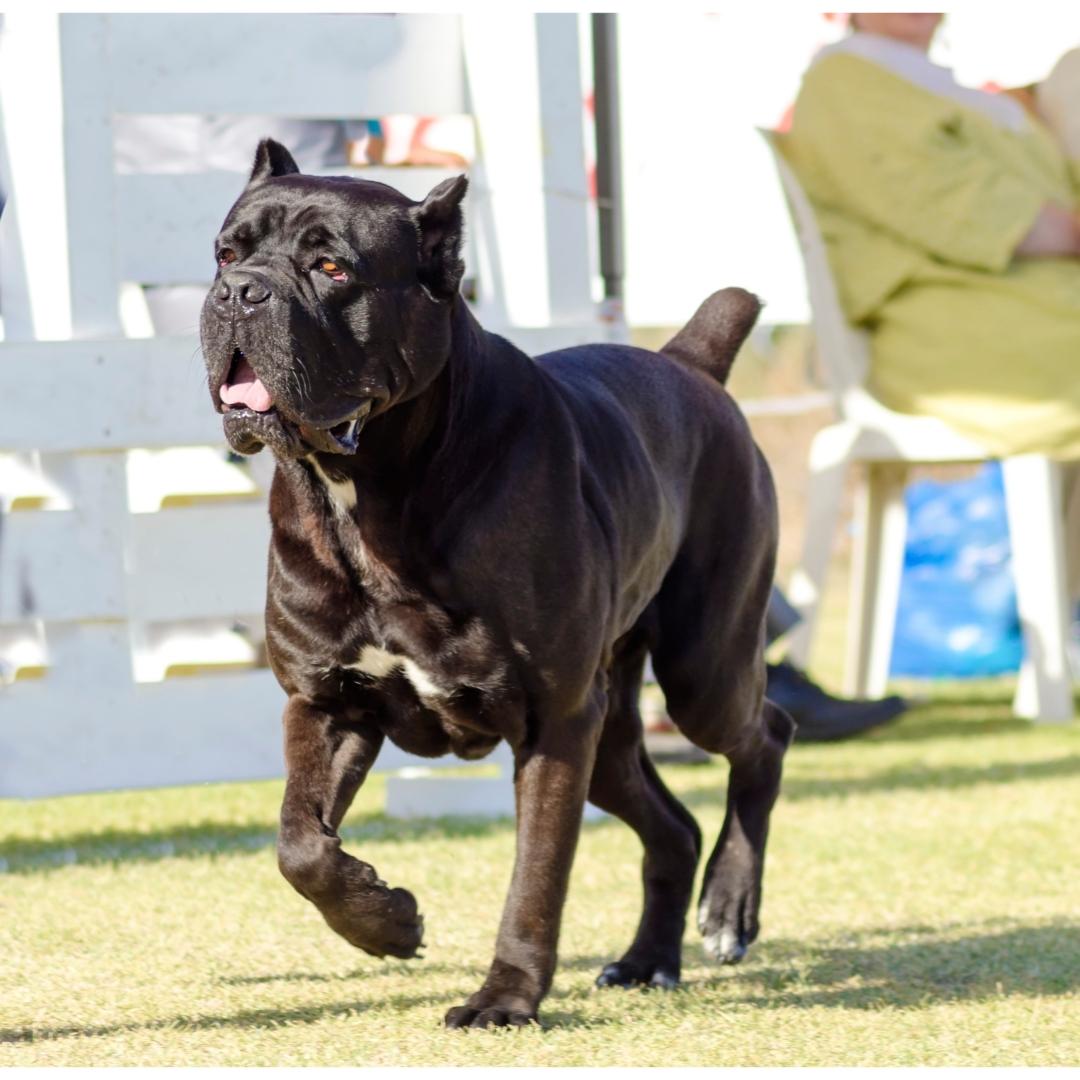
[917,169]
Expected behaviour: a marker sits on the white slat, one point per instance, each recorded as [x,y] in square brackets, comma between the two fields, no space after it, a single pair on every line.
[86,395]
[69,564]
[196,562]
[287,65]
[147,735]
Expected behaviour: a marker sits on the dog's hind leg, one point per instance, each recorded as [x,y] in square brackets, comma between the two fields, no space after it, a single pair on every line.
[727,714]
[709,660]
[731,889]
[625,783]
[327,761]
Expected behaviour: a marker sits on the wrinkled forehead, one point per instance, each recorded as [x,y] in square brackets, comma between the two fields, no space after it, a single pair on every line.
[307,209]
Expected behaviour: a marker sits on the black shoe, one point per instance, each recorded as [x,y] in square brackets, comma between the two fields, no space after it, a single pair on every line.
[820,716]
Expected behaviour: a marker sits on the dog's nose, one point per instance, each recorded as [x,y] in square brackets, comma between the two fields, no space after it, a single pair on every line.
[244,288]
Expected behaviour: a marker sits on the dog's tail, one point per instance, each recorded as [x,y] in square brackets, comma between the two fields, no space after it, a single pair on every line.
[711,339]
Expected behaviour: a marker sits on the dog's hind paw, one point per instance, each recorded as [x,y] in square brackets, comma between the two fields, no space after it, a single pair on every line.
[728,913]
[725,946]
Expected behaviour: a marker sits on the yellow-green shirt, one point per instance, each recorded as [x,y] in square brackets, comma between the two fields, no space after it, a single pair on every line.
[922,202]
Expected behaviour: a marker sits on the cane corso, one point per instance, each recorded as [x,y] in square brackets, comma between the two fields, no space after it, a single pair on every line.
[471,545]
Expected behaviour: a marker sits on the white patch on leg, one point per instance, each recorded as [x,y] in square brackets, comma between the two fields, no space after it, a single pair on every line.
[378,663]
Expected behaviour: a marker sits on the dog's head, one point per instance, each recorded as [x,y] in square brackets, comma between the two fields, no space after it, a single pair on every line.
[331,304]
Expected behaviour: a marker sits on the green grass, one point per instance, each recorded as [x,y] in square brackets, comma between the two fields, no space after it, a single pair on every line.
[921,907]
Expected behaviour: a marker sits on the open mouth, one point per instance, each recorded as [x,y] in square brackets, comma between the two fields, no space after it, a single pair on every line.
[243,389]
[252,419]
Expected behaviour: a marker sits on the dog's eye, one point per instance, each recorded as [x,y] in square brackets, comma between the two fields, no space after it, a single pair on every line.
[328,266]
[226,256]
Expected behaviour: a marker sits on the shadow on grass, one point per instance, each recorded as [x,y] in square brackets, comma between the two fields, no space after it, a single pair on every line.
[199,841]
[906,778]
[906,968]
[919,777]
[924,970]
[251,1018]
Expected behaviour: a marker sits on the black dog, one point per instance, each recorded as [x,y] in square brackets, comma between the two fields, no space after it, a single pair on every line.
[470,545]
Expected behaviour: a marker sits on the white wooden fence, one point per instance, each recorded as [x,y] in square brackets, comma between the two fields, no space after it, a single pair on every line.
[127,658]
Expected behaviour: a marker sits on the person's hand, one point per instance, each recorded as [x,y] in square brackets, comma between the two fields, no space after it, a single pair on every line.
[1056,231]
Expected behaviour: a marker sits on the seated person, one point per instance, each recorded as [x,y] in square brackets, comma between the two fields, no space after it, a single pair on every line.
[949,216]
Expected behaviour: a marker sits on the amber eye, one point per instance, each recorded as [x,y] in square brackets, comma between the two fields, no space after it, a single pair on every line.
[226,256]
[328,266]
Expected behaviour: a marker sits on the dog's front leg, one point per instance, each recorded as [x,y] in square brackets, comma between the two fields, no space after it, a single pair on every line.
[327,761]
[551,779]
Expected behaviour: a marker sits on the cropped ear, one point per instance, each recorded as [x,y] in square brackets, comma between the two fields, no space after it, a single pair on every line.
[440,224]
[271,159]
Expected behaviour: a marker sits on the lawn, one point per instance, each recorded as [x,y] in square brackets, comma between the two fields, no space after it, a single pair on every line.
[921,907]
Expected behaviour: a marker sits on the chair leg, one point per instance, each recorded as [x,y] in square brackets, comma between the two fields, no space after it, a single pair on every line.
[877,566]
[829,459]
[1035,504]
[1071,483]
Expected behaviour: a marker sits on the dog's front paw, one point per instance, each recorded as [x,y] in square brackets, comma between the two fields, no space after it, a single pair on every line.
[379,920]
[628,973]
[494,1006]
[496,1015]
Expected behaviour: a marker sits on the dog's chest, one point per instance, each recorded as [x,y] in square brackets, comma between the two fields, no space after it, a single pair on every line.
[450,693]
[438,680]
[379,663]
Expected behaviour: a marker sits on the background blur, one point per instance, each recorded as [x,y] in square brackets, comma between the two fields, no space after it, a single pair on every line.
[120,156]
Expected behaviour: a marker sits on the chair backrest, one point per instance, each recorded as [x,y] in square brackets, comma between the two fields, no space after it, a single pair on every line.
[845,350]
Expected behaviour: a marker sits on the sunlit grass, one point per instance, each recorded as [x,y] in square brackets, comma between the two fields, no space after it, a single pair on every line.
[920,908]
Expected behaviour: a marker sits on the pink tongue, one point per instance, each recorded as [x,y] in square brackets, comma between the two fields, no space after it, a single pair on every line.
[246,389]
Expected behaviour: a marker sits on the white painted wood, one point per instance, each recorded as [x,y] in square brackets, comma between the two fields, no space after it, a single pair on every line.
[829,456]
[877,565]
[105,395]
[887,442]
[567,220]
[520,138]
[142,735]
[1034,501]
[92,244]
[431,796]
[287,65]
[199,561]
[69,564]
[33,227]
[421,792]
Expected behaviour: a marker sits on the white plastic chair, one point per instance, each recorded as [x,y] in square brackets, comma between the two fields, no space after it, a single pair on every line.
[887,444]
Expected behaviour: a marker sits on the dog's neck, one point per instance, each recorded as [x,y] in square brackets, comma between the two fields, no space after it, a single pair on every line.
[425,443]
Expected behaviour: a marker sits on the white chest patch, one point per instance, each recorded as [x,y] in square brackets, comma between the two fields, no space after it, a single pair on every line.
[342,492]
[378,663]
